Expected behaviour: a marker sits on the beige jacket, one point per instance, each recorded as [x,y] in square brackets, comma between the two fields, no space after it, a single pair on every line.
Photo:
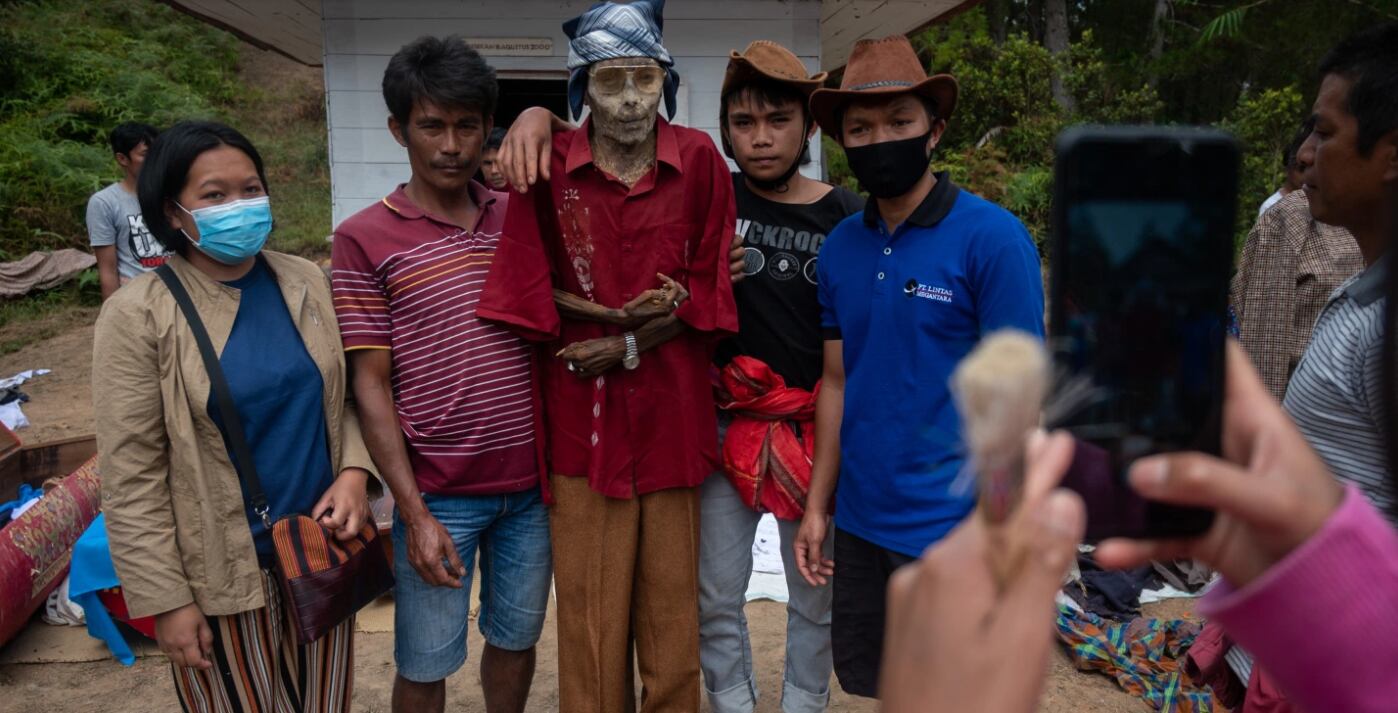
[174,506]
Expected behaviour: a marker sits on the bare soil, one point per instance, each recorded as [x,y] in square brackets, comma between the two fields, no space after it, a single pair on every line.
[107,687]
[60,403]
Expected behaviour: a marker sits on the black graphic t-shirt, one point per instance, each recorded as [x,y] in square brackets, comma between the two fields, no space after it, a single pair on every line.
[778,310]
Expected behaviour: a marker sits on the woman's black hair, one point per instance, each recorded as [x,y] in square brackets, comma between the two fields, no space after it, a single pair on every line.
[166,170]
[443,70]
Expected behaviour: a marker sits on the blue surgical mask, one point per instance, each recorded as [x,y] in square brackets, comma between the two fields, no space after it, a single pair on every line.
[232,232]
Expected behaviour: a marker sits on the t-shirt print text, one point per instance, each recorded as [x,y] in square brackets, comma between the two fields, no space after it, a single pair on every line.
[927,292]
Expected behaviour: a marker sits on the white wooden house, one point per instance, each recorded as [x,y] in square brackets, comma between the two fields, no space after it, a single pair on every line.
[524,41]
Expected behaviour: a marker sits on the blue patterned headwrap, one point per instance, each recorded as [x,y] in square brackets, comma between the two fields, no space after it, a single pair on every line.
[610,30]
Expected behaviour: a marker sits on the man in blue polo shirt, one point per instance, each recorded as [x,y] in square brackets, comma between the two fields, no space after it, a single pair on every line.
[907,288]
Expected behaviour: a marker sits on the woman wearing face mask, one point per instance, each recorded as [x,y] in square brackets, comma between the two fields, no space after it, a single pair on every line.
[187,546]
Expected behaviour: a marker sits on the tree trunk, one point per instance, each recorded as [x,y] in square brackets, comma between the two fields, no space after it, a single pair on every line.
[1034,13]
[1157,39]
[1056,40]
[997,15]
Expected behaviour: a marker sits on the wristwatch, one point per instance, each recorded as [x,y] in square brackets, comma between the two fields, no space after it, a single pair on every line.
[633,353]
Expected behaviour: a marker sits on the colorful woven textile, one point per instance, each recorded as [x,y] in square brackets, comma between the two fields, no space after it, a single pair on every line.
[36,547]
[770,446]
[1143,656]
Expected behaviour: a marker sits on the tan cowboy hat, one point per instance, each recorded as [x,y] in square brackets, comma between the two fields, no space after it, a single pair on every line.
[883,68]
[768,61]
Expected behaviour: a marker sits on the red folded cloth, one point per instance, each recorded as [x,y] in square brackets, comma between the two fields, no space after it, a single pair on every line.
[770,444]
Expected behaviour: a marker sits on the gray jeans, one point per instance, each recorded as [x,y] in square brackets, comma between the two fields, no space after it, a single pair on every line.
[727,528]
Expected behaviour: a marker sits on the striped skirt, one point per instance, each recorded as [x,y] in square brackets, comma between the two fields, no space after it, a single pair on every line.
[259,667]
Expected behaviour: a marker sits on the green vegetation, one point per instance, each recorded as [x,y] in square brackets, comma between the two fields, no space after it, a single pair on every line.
[69,71]
[1164,61]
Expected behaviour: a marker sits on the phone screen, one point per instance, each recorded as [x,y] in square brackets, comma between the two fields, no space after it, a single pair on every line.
[1143,257]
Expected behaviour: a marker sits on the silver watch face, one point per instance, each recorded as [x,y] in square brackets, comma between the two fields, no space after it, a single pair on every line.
[631,361]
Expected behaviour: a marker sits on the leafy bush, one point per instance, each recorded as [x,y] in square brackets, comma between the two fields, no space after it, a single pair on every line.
[70,72]
[1264,122]
[999,144]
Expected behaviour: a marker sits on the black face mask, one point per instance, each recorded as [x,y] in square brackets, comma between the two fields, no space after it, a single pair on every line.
[889,169]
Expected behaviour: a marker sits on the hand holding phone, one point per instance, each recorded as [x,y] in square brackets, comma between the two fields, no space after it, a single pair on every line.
[1143,253]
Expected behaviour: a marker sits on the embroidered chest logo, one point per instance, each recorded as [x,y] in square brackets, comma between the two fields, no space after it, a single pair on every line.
[928,292]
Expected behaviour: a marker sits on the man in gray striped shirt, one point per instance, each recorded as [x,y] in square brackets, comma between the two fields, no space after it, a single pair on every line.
[1350,165]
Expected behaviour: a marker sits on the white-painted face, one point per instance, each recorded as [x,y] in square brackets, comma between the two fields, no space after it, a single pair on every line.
[624,96]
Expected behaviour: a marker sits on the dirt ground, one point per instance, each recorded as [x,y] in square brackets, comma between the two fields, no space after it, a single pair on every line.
[61,407]
[107,687]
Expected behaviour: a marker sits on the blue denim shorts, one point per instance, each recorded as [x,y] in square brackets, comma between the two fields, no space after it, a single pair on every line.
[512,534]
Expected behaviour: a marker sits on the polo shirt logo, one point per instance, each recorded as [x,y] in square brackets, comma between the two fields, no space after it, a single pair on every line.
[927,292]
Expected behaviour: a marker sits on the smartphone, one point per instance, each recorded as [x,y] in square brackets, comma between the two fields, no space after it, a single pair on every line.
[1142,256]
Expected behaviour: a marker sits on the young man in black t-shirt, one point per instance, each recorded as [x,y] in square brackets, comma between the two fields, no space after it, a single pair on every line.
[783,218]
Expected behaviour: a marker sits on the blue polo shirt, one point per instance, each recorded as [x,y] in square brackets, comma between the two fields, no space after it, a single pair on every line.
[909,306]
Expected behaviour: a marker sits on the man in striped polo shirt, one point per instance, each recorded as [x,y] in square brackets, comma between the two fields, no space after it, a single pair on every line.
[446,400]
[1350,165]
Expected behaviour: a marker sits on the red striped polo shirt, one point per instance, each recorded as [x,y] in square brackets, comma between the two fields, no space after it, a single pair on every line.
[407,280]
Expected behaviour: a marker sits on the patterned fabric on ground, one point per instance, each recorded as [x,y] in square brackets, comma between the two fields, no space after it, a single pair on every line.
[1143,656]
[1110,593]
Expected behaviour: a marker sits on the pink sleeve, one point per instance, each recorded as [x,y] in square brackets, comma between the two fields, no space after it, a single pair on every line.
[1324,621]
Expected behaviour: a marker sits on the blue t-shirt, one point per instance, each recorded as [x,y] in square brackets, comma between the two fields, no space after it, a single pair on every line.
[278,392]
[909,306]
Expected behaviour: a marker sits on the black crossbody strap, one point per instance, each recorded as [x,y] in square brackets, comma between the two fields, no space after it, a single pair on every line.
[223,398]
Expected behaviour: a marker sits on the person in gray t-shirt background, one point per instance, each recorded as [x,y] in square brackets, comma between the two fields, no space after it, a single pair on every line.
[115,228]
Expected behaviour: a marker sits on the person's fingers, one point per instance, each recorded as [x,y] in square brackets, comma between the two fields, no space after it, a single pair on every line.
[531,162]
[807,565]
[519,171]
[903,591]
[206,641]
[1055,529]
[1047,457]
[458,570]
[509,159]
[1123,553]
[336,517]
[354,520]
[1205,481]
[1248,406]
[321,506]
[193,657]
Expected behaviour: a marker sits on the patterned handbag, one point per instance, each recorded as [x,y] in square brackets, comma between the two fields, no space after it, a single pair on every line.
[324,580]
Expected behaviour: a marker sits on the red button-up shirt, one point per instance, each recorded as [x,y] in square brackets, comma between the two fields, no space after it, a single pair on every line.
[628,432]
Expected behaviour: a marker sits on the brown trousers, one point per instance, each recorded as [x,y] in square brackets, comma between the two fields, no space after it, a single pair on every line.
[626,572]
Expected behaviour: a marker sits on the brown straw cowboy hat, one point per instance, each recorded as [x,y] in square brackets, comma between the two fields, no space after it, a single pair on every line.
[766,61]
[883,68]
